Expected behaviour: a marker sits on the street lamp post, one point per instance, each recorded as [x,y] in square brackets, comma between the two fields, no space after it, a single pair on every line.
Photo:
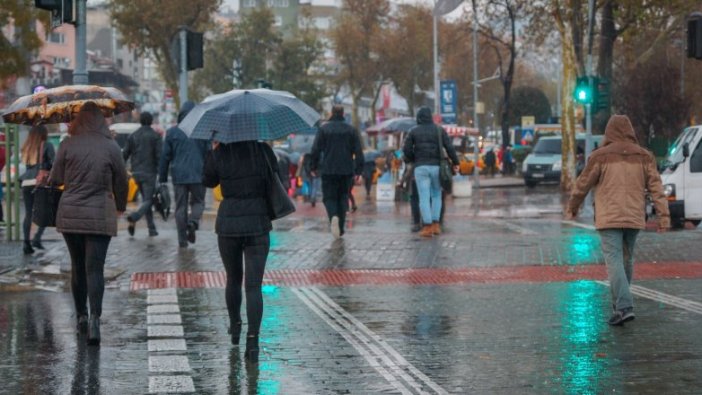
[80,73]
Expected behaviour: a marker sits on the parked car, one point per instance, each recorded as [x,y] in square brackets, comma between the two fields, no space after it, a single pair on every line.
[543,164]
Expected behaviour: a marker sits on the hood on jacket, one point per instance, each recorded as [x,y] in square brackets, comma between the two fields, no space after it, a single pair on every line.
[424,116]
[619,130]
[185,109]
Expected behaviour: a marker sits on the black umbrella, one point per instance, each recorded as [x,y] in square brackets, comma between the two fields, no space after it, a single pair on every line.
[246,115]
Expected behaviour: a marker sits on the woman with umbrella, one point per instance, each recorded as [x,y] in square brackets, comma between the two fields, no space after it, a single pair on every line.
[38,156]
[236,122]
[242,228]
[90,167]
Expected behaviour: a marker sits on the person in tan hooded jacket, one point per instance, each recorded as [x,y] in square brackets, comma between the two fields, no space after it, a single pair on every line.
[621,172]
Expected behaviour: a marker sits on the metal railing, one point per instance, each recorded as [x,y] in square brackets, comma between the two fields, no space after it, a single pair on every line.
[11,199]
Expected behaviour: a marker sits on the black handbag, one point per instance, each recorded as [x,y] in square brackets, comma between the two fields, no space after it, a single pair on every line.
[445,169]
[46,203]
[162,201]
[279,203]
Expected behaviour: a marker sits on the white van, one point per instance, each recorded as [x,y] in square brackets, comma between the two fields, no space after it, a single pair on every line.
[682,177]
[543,164]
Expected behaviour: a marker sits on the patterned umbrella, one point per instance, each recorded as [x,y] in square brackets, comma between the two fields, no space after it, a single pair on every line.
[57,105]
[245,115]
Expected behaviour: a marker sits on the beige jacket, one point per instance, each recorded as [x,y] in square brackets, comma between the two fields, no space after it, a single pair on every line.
[621,172]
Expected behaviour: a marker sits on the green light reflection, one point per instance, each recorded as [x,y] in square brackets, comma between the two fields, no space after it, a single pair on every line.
[581,318]
[582,247]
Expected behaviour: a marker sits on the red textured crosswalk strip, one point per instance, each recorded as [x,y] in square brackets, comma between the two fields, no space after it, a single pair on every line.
[429,276]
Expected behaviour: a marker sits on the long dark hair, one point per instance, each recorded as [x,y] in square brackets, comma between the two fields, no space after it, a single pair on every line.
[88,119]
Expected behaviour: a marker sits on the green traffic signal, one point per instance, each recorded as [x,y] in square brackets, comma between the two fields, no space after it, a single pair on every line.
[583,91]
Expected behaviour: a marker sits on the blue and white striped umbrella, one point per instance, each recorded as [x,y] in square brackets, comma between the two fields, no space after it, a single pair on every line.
[246,115]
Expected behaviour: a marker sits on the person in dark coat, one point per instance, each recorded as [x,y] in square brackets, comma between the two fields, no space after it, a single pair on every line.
[144,149]
[185,158]
[337,153]
[243,224]
[38,156]
[423,148]
[491,162]
[90,167]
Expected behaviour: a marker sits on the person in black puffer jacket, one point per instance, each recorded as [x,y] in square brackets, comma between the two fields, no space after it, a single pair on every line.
[422,149]
[242,226]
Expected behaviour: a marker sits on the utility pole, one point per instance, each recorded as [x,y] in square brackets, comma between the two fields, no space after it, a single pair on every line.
[437,108]
[476,154]
[80,72]
[588,107]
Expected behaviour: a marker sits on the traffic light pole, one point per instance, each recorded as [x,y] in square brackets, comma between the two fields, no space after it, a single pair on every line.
[588,107]
[183,86]
[80,73]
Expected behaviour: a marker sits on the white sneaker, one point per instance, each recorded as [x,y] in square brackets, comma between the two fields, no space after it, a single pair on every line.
[336,231]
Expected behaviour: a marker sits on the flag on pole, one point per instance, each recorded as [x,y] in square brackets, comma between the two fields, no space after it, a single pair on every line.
[443,7]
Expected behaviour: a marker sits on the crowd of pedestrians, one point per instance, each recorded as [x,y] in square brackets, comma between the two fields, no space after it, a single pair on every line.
[91,168]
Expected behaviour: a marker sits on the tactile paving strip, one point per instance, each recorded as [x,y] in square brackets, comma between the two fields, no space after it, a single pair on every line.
[503,274]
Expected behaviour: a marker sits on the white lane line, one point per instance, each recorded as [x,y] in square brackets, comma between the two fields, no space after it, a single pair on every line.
[163,309]
[579,225]
[164,321]
[372,347]
[516,228]
[171,384]
[167,345]
[397,371]
[672,300]
[349,338]
[398,357]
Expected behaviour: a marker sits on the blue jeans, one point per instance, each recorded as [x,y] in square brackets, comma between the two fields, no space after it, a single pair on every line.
[429,188]
[618,251]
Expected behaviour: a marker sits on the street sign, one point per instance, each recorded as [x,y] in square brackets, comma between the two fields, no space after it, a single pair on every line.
[528,121]
[448,101]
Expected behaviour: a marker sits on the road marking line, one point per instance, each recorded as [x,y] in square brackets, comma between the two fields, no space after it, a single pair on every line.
[163,319]
[162,308]
[372,347]
[398,357]
[579,225]
[167,345]
[371,359]
[170,384]
[169,363]
[519,229]
[657,296]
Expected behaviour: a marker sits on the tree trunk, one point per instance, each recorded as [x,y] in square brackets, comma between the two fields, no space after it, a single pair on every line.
[570,67]
[608,34]
[355,119]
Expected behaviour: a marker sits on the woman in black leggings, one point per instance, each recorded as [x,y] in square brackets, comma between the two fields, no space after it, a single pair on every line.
[38,157]
[242,228]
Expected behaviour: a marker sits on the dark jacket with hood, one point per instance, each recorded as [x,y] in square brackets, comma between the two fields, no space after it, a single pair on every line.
[422,143]
[184,156]
[621,171]
[144,149]
[337,149]
[242,172]
[90,167]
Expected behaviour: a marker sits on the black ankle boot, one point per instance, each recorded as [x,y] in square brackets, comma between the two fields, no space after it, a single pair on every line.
[28,250]
[251,353]
[82,325]
[94,331]
[235,331]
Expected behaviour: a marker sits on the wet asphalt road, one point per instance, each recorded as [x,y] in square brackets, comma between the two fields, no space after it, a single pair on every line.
[535,333]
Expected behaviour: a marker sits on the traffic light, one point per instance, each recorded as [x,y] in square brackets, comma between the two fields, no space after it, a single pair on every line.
[194,40]
[61,10]
[602,95]
[193,50]
[583,91]
[694,36]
